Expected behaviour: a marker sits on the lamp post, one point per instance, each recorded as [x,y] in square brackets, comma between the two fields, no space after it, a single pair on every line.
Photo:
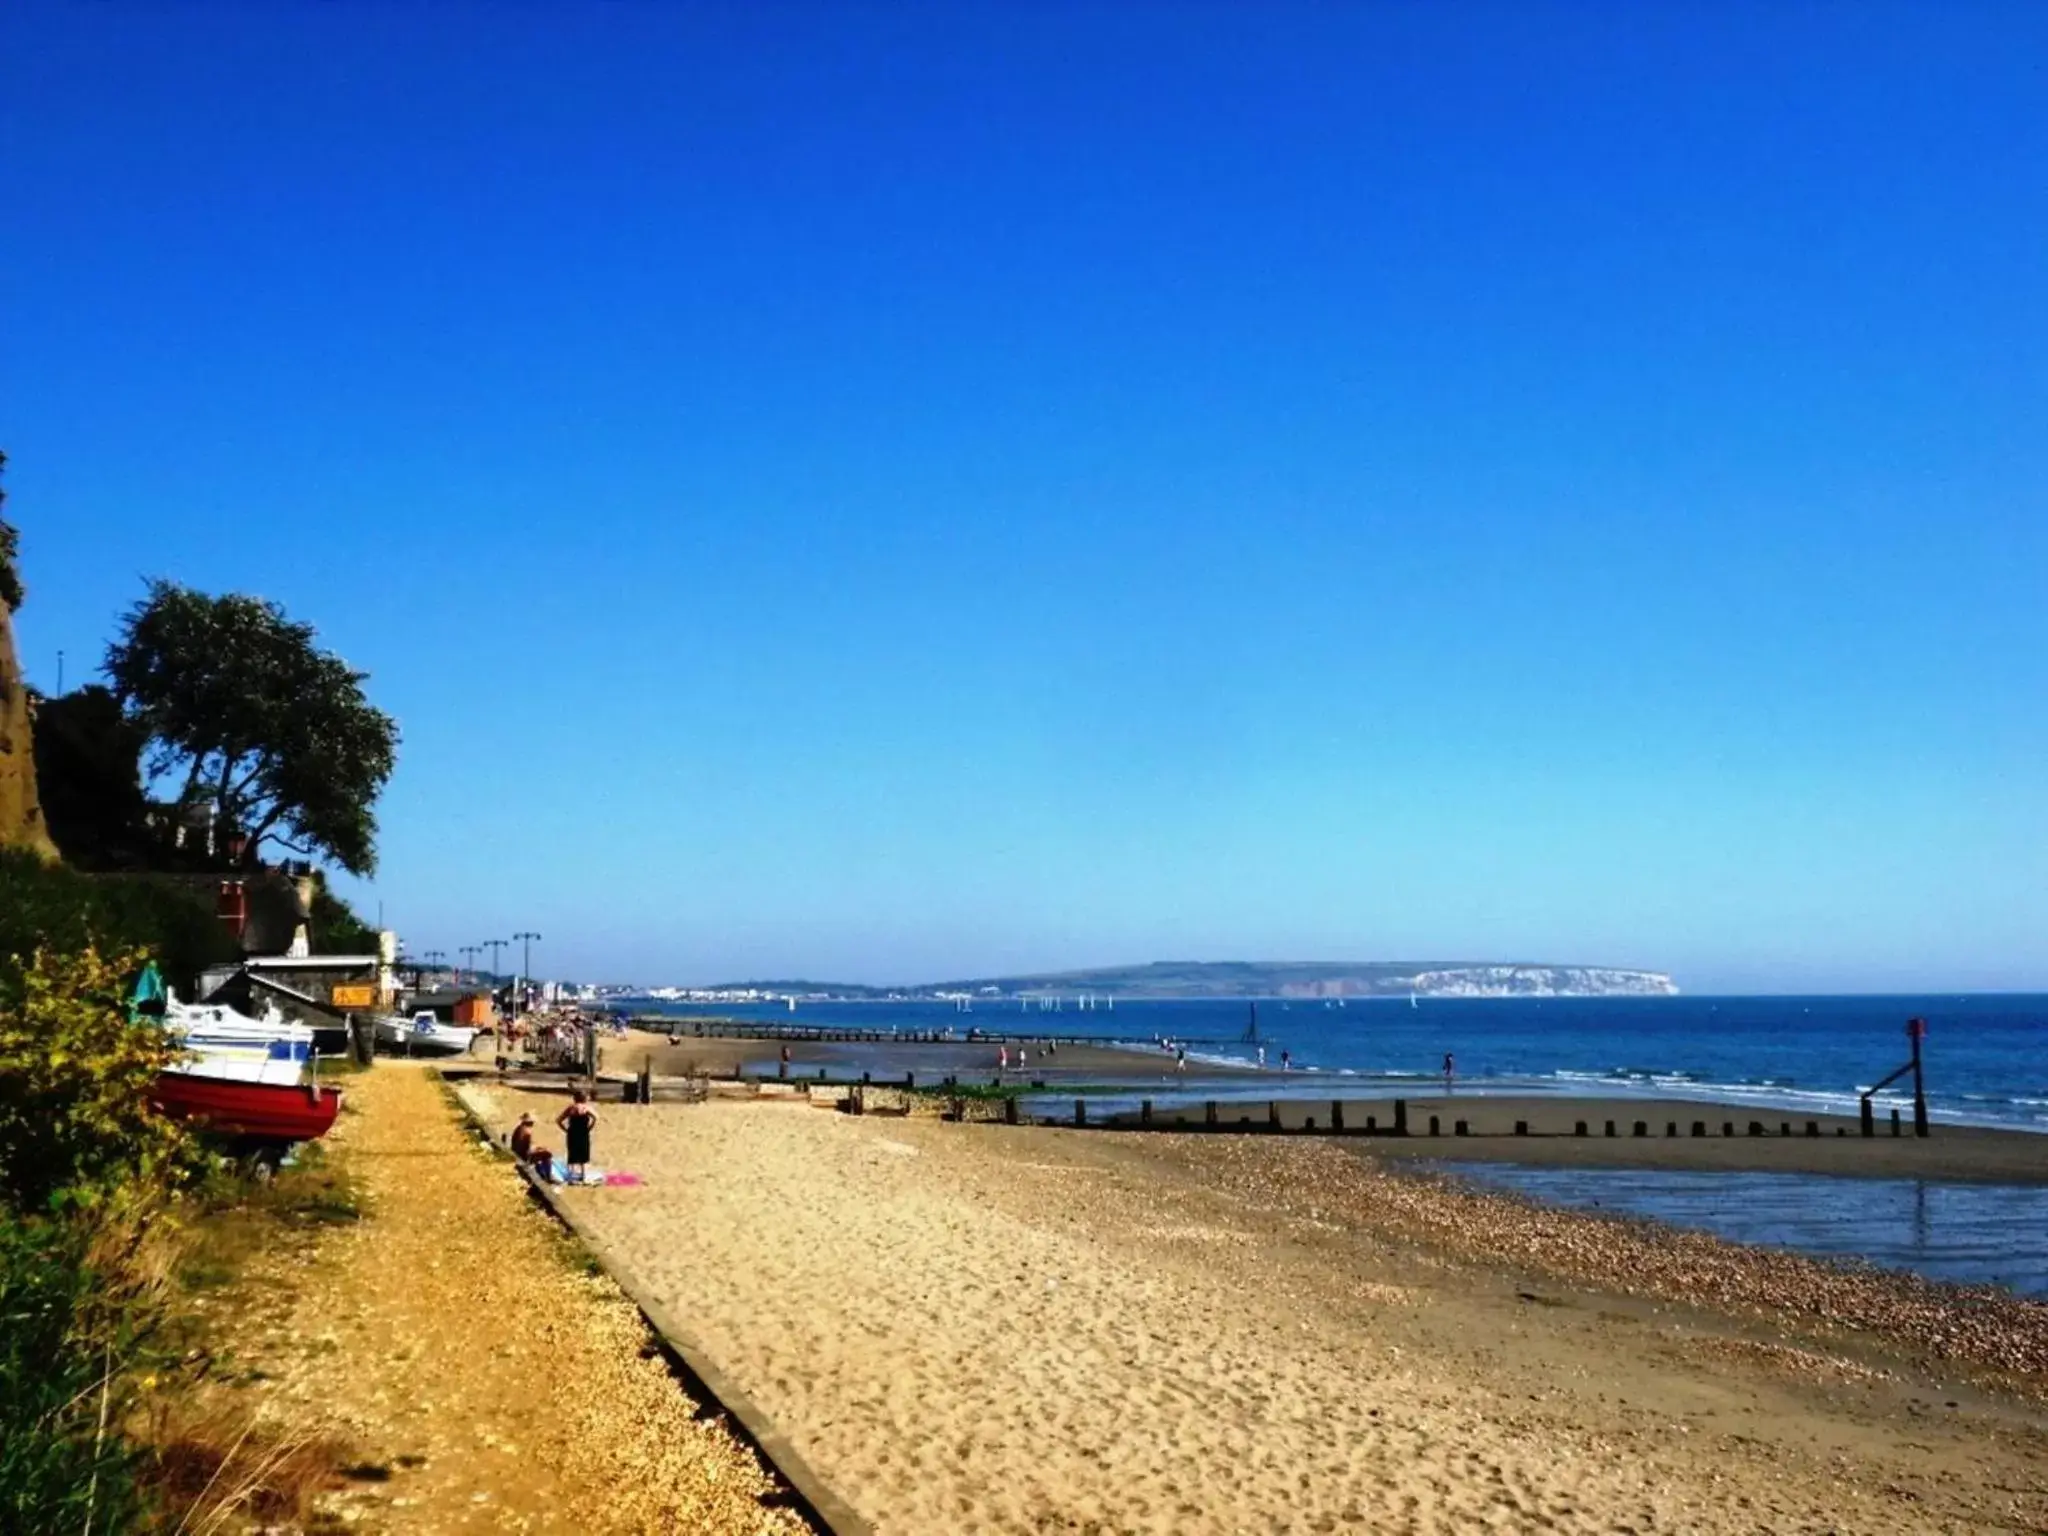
[497,1031]
[469,953]
[528,940]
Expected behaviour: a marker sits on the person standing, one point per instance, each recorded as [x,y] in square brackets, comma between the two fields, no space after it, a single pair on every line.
[1450,1071]
[576,1122]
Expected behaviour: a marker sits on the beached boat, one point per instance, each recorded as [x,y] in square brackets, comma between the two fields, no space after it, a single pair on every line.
[430,1037]
[394,1031]
[269,1112]
[218,1042]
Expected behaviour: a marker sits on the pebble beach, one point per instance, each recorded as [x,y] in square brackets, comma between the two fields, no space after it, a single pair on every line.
[1021,1329]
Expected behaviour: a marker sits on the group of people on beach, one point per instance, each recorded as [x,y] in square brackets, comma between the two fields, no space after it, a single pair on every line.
[576,1121]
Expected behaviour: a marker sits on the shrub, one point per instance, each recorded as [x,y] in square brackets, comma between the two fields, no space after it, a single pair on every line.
[76,1124]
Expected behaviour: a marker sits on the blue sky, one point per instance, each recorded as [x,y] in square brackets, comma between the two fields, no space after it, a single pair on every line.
[891,492]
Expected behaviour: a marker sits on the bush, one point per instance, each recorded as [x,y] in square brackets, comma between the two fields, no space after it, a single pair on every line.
[76,1124]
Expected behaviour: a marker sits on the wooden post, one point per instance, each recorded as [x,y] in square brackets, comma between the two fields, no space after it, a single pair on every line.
[1756,1127]
[1699,1127]
[1670,1127]
[646,1082]
[1209,1112]
[1145,1112]
[1462,1129]
[1010,1110]
[909,1082]
[1727,1127]
[1400,1117]
[1869,1123]
[1521,1127]
[1895,1122]
[1642,1128]
[1337,1116]
[1433,1126]
[1610,1128]
[1273,1114]
[1372,1125]
[1917,1029]
[1578,1127]
[1813,1127]
[1080,1111]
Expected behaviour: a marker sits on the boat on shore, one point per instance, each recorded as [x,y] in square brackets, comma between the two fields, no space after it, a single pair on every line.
[251,1111]
[218,1042]
[429,1036]
[250,1080]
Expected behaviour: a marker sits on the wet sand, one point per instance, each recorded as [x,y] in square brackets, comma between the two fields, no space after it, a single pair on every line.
[1953,1152]
[979,1329]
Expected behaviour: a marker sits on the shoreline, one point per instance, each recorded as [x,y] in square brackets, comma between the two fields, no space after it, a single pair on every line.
[1246,1098]
[1968,1154]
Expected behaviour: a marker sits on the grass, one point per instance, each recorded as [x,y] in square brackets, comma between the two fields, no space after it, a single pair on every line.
[210,1463]
[241,1217]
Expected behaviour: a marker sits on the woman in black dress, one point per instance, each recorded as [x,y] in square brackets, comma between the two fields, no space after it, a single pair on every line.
[576,1122]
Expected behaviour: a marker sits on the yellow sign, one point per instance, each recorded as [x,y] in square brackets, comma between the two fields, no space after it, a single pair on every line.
[361,995]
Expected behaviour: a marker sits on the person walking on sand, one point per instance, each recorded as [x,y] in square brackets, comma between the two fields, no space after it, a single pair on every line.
[1002,1058]
[1450,1071]
[576,1121]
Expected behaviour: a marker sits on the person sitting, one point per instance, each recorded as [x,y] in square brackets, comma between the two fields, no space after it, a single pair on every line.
[522,1139]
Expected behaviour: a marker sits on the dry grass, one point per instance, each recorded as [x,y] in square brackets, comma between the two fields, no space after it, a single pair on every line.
[215,1464]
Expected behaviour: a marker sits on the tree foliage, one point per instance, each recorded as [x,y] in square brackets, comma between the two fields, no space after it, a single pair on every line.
[88,757]
[76,1124]
[275,733]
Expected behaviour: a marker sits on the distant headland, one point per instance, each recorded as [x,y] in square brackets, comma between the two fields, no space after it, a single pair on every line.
[1253,978]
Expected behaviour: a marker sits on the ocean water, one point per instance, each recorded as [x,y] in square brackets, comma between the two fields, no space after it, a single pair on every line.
[1986,1054]
[1967,1233]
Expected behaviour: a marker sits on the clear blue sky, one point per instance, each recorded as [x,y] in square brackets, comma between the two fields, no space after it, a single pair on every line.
[892,492]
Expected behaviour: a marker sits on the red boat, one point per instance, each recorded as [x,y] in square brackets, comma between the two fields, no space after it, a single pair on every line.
[260,1111]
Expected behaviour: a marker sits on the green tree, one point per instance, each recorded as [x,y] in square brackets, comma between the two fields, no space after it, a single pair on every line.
[88,757]
[275,733]
[76,1124]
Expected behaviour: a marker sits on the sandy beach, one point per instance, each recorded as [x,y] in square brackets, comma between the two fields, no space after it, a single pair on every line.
[974,1328]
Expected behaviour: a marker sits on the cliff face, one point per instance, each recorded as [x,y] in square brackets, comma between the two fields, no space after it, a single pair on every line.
[21,811]
[1543,981]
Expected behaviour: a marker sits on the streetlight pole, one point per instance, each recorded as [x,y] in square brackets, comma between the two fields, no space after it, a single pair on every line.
[497,1029]
[468,952]
[525,967]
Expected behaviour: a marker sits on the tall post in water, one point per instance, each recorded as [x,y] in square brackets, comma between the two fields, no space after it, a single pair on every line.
[1916,1031]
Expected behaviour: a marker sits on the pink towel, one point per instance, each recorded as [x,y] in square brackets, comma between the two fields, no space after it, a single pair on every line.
[623,1180]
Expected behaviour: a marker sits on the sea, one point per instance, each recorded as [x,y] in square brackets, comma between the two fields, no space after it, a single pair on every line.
[1985,1058]
[1985,1054]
